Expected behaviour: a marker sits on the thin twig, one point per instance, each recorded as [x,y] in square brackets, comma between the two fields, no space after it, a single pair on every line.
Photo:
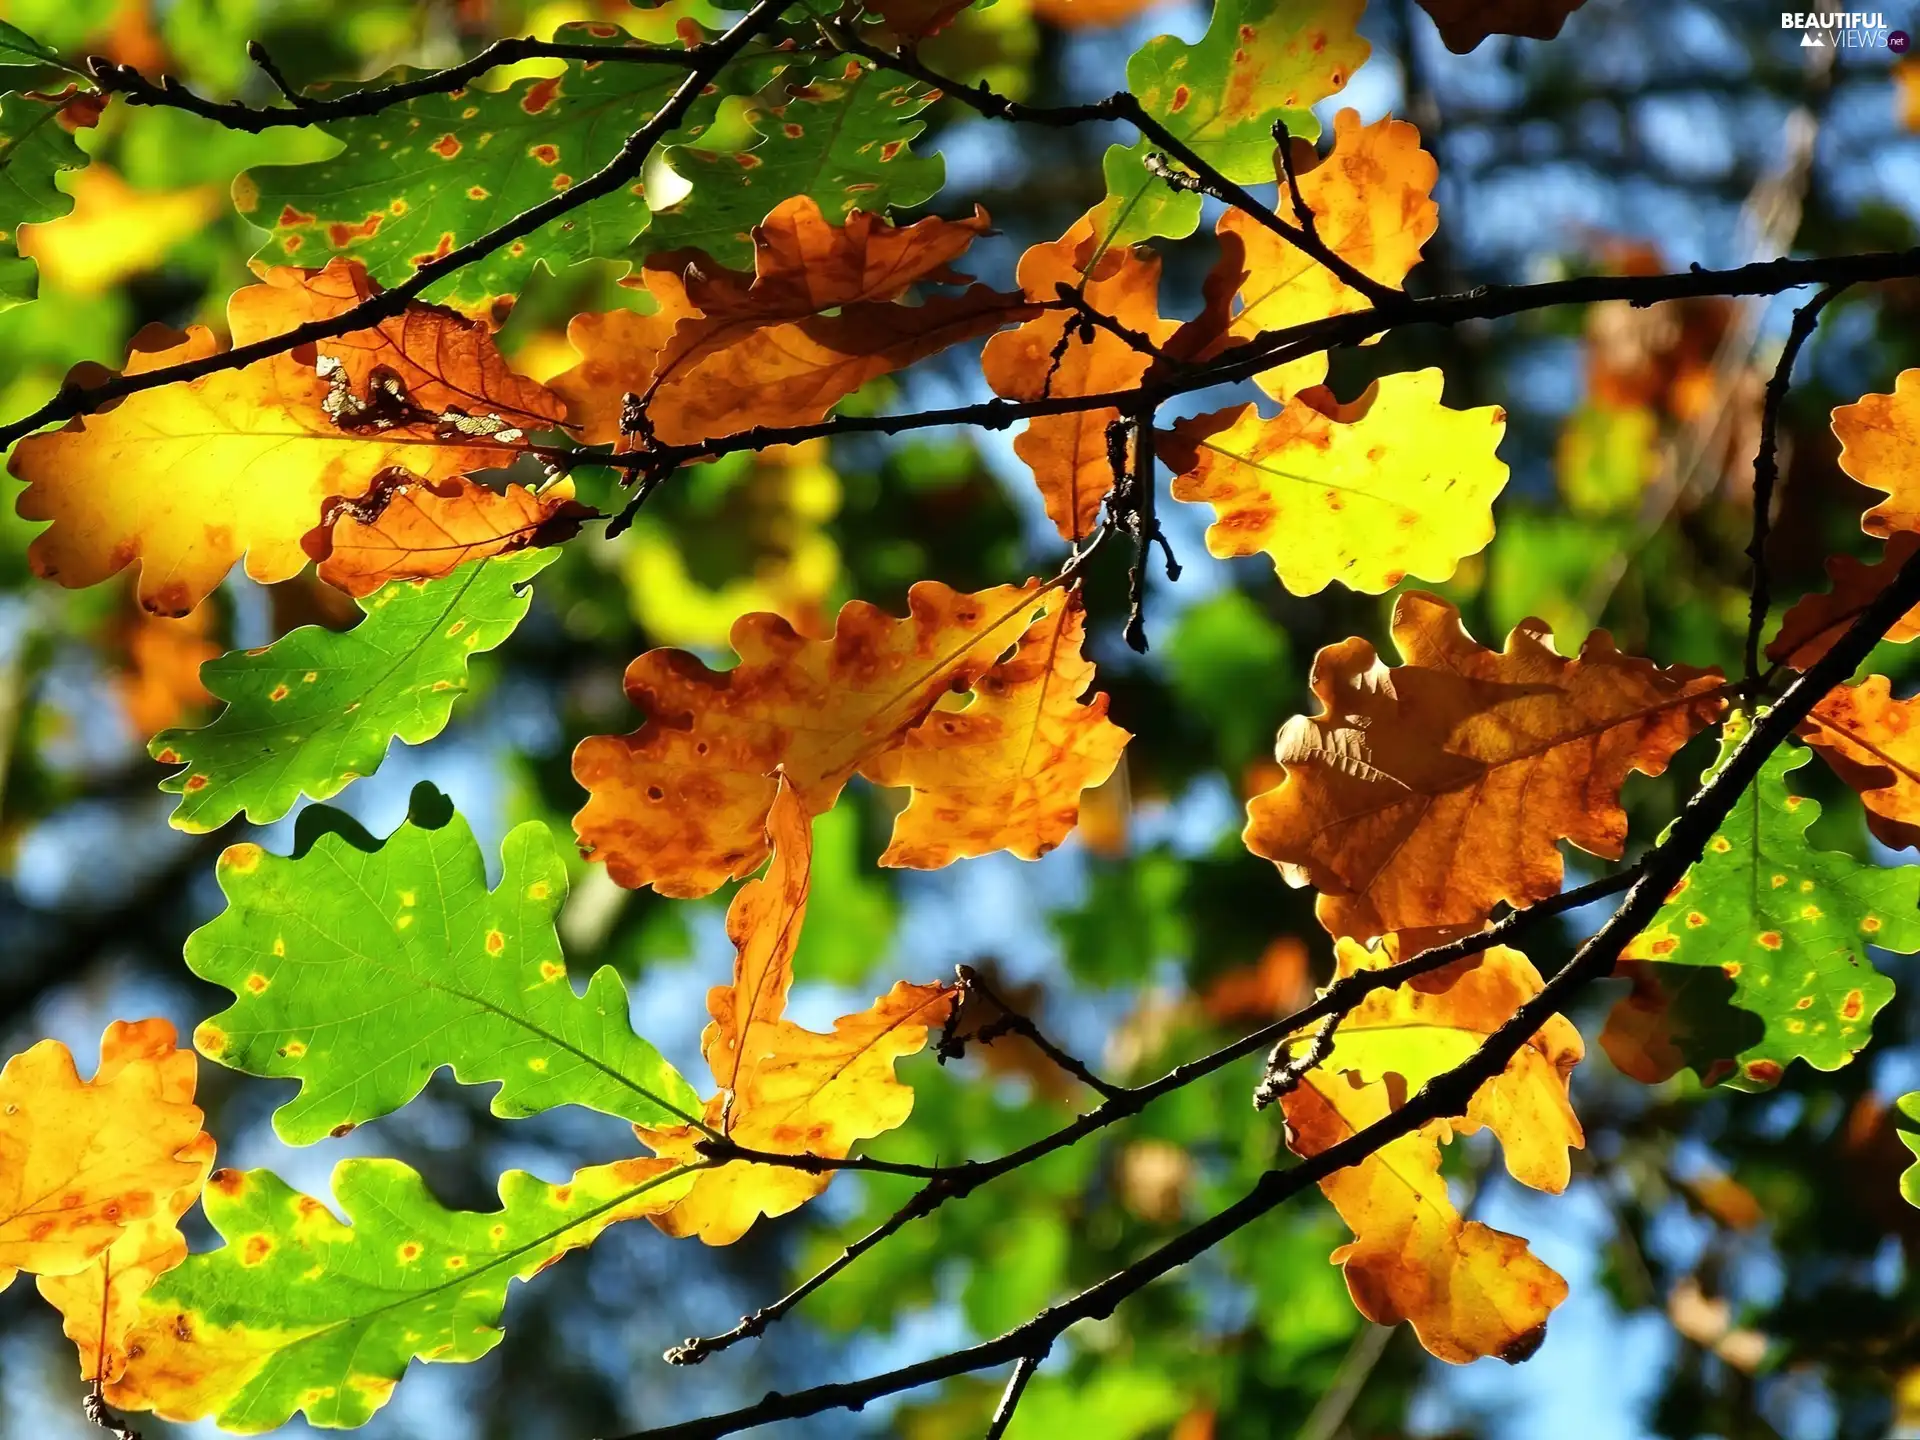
[257,53]
[1009,1021]
[1132,338]
[1016,1387]
[1766,474]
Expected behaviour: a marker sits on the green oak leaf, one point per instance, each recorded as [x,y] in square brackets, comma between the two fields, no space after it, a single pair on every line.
[1906,1124]
[1260,61]
[423,178]
[841,140]
[1789,925]
[34,147]
[360,969]
[315,710]
[27,63]
[298,1311]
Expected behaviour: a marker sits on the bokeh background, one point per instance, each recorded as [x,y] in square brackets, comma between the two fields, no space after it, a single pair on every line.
[1740,1265]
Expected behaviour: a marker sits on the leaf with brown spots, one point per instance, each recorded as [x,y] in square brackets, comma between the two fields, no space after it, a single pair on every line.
[1872,741]
[317,709]
[681,803]
[1425,794]
[85,1163]
[1467,1289]
[785,1089]
[1394,485]
[185,479]
[1005,769]
[1372,204]
[1465,23]
[1054,355]
[359,968]
[412,529]
[1809,629]
[300,1312]
[1792,928]
[100,1303]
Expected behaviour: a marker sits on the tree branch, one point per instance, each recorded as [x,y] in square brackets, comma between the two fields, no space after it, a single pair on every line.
[1009,1021]
[1016,1387]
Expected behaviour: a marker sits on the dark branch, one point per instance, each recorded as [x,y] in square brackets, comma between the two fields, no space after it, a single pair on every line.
[1016,1387]
[1008,1021]
[1766,474]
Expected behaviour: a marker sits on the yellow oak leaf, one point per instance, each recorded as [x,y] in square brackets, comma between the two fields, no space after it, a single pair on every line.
[1872,741]
[785,1089]
[1424,794]
[681,803]
[1372,204]
[1468,1290]
[101,1303]
[1006,771]
[1878,438]
[187,478]
[83,1162]
[406,528]
[1394,485]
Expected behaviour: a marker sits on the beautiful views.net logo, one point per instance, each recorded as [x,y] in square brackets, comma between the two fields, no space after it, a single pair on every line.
[1844,29]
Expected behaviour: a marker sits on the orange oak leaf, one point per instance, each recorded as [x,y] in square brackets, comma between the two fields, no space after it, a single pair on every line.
[1068,453]
[187,478]
[101,1303]
[1468,1290]
[1394,485]
[1006,771]
[681,803]
[83,1162]
[916,19]
[406,528]
[158,677]
[1079,14]
[446,363]
[1465,23]
[1878,435]
[785,1089]
[1371,199]
[1808,630]
[1424,794]
[1872,741]
[761,348]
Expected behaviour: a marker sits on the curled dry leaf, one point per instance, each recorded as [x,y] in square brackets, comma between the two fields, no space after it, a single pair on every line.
[783,1088]
[1068,453]
[1395,485]
[1468,1290]
[187,478]
[1006,771]
[100,1304]
[1372,204]
[1424,794]
[681,803]
[406,528]
[83,1162]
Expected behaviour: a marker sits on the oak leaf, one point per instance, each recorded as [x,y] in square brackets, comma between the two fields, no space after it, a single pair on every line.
[1808,630]
[83,1162]
[1395,485]
[158,674]
[1872,742]
[1465,23]
[187,478]
[101,1303]
[1053,355]
[783,1088]
[1006,771]
[1424,794]
[406,528]
[1468,1290]
[1878,435]
[1371,199]
[620,350]
[681,803]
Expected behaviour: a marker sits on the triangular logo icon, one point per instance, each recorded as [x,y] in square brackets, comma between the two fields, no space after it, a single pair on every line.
[1809,39]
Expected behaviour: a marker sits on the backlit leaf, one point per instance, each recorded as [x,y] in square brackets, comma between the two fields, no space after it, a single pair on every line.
[1395,485]
[83,1162]
[782,1088]
[1468,1290]
[1809,629]
[1878,437]
[299,1312]
[36,144]
[317,709]
[1006,771]
[1872,741]
[681,803]
[1424,794]
[1789,924]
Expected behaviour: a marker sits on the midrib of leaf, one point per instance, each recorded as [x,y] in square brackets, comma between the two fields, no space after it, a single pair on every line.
[1898,766]
[1265,468]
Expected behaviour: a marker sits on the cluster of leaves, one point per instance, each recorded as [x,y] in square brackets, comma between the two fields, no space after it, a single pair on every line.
[361,414]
